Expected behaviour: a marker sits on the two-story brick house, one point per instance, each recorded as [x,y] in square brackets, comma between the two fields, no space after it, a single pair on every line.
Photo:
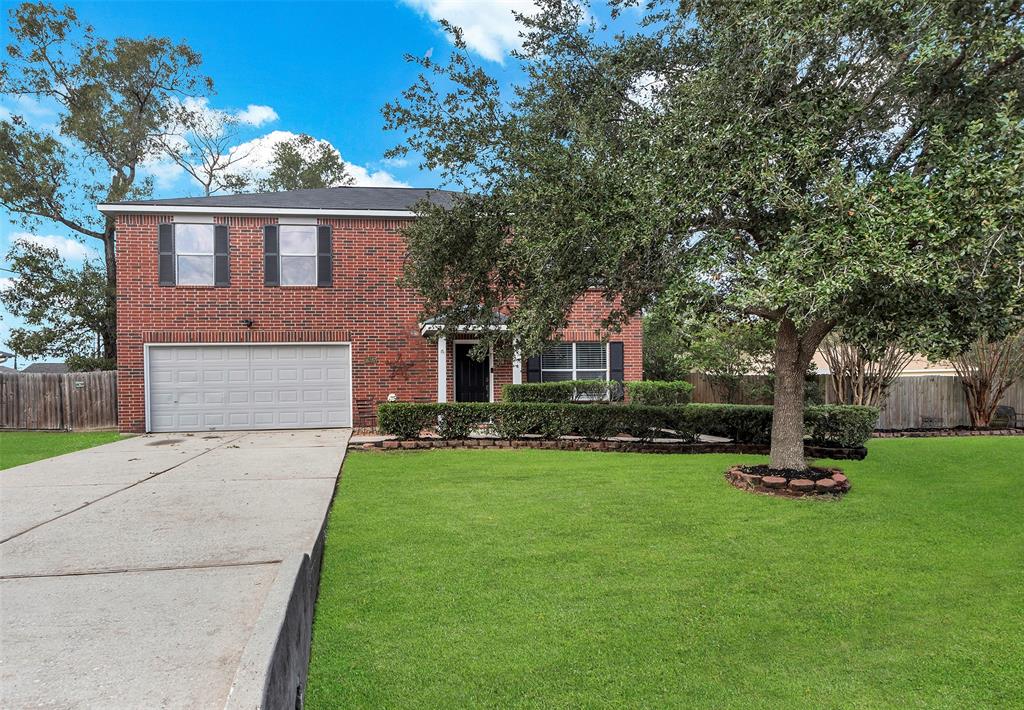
[283,310]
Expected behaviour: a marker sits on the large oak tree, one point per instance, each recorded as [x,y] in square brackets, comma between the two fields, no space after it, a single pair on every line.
[115,100]
[810,164]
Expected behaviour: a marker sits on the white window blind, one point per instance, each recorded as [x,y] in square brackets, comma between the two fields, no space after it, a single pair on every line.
[298,254]
[193,254]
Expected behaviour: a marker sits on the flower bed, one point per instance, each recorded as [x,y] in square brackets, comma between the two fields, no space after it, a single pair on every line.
[815,482]
[621,444]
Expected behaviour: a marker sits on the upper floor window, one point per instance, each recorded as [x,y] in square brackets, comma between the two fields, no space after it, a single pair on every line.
[193,254]
[297,255]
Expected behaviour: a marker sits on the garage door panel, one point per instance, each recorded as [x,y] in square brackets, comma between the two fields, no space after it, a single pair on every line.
[199,388]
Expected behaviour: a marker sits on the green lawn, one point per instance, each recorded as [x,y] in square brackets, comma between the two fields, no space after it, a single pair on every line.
[562,579]
[18,447]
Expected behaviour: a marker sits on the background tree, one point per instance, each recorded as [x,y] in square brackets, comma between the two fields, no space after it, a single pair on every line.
[204,143]
[115,100]
[810,164]
[304,163]
[66,309]
[987,369]
[861,373]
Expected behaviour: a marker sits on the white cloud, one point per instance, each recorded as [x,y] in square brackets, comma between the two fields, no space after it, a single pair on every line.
[256,115]
[5,283]
[378,178]
[252,115]
[33,110]
[68,248]
[259,151]
[488,27]
[165,172]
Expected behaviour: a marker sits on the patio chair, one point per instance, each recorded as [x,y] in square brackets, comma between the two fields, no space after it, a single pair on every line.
[1006,417]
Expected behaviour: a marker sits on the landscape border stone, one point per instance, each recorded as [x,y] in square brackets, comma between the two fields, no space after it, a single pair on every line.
[834,486]
[620,445]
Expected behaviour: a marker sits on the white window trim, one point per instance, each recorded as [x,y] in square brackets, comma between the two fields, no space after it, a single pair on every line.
[315,255]
[212,253]
[574,369]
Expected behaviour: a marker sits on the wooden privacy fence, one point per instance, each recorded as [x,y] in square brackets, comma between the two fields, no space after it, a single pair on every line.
[58,402]
[919,402]
[934,402]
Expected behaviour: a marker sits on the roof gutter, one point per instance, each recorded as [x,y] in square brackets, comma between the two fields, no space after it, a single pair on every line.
[276,211]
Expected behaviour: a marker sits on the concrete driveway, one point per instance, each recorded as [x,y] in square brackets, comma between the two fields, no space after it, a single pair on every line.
[156,571]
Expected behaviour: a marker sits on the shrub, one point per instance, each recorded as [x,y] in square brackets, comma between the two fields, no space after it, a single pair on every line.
[579,391]
[456,420]
[842,425]
[658,393]
[832,425]
[406,419]
[514,422]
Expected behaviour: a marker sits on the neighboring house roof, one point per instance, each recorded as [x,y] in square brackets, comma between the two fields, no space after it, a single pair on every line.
[396,201]
[4,368]
[52,368]
[918,366]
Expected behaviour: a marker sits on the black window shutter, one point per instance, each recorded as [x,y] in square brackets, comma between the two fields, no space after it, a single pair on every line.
[166,249]
[533,369]
[221,274]
[616,362]
[271,262]
[323,256]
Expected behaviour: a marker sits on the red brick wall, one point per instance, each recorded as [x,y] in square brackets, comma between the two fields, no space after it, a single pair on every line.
[365,307]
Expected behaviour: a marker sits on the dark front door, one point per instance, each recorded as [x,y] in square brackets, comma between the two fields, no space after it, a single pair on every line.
[472,377]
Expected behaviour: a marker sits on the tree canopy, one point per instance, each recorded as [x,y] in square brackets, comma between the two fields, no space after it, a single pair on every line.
[115,100]
[305,163]
[811,164]
[64,308]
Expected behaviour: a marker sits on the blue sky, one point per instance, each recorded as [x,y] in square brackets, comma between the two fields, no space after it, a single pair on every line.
[325,69]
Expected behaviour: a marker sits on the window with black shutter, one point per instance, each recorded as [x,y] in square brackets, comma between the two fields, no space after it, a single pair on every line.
[298,255]
[193,254]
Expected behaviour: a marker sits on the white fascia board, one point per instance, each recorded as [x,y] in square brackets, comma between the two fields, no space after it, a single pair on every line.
[272,211]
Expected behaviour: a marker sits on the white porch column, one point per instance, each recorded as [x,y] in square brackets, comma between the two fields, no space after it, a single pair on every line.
[442,369]
[517,365]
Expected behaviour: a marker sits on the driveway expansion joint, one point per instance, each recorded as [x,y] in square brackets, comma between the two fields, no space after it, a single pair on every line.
[149,477]
[128,570]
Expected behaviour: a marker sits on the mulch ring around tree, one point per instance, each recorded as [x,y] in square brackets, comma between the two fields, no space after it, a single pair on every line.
[814,482]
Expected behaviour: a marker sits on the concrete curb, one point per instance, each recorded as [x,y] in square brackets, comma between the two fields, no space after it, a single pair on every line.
[275,662]
[274,666]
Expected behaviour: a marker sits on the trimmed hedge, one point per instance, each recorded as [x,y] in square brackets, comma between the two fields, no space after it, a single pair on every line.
[842,426]
[580,391]
[659,393]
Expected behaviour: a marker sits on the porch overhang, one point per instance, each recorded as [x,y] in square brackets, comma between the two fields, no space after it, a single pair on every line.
[429,327]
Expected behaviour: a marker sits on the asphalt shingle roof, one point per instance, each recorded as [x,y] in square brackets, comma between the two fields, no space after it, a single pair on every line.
[330,198]
[47,368]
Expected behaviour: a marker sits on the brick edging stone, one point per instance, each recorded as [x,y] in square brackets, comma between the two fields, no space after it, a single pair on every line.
[635,446]
[915,434]
[836,485]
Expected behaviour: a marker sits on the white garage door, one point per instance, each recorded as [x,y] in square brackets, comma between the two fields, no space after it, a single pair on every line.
[213,387]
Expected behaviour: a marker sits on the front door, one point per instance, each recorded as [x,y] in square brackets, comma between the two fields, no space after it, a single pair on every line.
[472,377]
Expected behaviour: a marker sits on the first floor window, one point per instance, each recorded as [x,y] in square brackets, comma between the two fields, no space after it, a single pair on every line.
[194,254]
[298,245]
[574,361]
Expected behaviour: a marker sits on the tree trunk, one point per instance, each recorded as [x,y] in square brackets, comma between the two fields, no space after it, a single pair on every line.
[793,353]
[788,416]
[109,334]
